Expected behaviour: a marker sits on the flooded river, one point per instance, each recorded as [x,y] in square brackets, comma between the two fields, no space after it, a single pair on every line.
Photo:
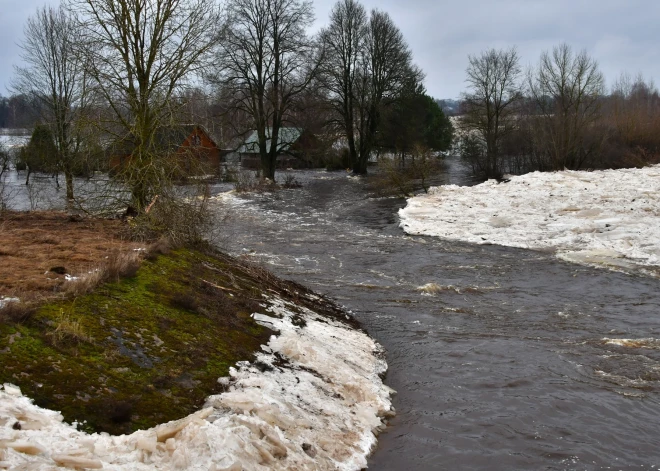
[504,361]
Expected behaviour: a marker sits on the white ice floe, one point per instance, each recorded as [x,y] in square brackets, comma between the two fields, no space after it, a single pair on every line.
[609,218]
[313,399]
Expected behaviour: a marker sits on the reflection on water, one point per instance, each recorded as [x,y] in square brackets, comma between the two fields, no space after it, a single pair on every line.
[504,360]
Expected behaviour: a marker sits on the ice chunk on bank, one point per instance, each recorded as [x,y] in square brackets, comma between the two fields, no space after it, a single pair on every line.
[606,218]
[318,405]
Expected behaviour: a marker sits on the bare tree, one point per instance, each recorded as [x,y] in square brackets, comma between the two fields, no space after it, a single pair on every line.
[490,105]
[567,88]
[344,41]
[141,54]
[368,64]
[266,61]
[54,77]
[633,113]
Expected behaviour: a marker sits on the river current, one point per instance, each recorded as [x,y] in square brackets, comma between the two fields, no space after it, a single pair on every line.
[503,362]
[507,360]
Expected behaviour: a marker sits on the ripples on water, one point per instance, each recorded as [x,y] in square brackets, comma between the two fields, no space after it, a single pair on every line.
[504,365]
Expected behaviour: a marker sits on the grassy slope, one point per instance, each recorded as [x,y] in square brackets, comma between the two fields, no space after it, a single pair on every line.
[141,350]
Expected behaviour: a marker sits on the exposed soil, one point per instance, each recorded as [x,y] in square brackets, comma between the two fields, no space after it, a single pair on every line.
[38,250]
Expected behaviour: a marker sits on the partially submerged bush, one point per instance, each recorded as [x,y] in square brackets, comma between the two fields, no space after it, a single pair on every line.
[250,181]
[405,175]
[290,181]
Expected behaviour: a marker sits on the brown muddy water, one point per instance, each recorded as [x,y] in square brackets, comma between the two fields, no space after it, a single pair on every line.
[502,362]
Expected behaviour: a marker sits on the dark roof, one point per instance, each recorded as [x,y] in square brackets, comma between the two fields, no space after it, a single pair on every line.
[286,137]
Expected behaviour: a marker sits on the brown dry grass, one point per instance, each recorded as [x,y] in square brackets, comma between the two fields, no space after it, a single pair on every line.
[34,243]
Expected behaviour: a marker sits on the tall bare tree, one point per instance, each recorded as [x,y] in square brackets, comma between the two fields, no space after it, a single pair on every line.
[344,41]
[567,88]
[367,66]
[141,54]
[266,61]
[54,76]
[490,106]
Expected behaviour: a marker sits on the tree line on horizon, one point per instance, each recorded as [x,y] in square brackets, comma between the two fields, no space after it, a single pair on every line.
[555,116]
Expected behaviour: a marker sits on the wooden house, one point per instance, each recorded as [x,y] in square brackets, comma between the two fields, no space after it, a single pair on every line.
[189,148]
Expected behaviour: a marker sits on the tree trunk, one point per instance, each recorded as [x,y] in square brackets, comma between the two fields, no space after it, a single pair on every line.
[268,166]
[68,176]
[360,167]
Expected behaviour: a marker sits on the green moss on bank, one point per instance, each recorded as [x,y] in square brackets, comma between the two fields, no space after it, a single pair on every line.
[143,350]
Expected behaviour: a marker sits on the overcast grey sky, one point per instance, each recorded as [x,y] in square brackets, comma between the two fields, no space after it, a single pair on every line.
[622,35]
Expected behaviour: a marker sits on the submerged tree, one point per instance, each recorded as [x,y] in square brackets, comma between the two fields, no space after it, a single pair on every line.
[344,42]
[141,54]
[41,154]
[490,107]
[54,77]
[367,66]
[266,61]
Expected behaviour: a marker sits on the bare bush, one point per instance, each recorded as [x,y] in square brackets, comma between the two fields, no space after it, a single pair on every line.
[248,181]
[424,165]
[393,179]
[181,219]
[404,177]
[290,181]
[161,247]
[122,265]
[84,283]
[15,311]
[118,265]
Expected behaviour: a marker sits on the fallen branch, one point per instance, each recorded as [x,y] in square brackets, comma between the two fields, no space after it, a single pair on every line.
[219,287]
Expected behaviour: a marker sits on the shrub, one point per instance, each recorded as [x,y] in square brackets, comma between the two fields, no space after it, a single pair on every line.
[16,312]
[122,265]
[68,330]
[179,219]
